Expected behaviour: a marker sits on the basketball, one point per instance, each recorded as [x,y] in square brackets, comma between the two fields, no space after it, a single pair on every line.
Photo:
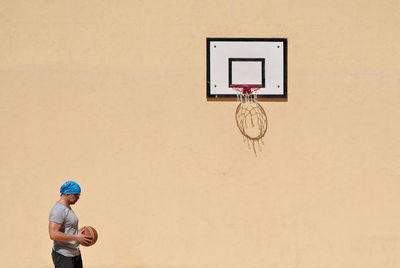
[89,230]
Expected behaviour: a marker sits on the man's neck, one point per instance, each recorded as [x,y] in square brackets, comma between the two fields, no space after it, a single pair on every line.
[64,201]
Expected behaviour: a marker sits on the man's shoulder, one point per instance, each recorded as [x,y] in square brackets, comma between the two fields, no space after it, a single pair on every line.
[58,212]
[59,206]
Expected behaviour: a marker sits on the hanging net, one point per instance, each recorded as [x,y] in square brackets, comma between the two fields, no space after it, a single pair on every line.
[250,117]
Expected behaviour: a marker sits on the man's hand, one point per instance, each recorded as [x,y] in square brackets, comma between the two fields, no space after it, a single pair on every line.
[56,234]
[83,239]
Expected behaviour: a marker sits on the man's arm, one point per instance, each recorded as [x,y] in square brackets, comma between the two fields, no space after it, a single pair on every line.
[56,234]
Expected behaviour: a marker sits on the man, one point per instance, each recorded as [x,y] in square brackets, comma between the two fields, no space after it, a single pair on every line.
[63,229]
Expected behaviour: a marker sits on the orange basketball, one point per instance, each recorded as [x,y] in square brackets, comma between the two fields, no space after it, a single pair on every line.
[89,230]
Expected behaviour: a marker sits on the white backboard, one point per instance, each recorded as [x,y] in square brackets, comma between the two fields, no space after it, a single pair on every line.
[250,61]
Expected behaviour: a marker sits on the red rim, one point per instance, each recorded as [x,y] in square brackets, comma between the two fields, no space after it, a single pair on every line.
[246,89]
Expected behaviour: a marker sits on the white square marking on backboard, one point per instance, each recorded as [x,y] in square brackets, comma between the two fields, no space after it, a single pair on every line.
[244,55]
[247,72]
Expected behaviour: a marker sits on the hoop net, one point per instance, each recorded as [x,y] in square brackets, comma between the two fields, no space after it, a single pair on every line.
[244,93]
[250,116]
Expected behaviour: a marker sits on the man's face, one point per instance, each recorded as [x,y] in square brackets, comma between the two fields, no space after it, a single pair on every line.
[73,198]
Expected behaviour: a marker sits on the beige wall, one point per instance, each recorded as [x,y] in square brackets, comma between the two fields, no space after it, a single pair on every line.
[113,95]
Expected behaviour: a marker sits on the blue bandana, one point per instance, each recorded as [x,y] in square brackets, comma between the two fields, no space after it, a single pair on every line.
[70,187]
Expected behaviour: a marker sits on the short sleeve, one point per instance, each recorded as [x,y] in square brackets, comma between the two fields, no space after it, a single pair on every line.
[57,215]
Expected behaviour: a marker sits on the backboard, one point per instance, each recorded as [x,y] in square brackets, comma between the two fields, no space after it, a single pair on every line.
[255,62]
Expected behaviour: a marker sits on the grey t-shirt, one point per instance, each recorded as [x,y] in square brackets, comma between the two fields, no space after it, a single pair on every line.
[69,225]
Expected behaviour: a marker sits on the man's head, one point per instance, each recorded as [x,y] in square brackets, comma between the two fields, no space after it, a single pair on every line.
[70,191]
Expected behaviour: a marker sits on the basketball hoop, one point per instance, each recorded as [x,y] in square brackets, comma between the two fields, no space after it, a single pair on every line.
[250,116]
[245,92]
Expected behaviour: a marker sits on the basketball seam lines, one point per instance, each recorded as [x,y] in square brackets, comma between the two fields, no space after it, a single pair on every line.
[91,232]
